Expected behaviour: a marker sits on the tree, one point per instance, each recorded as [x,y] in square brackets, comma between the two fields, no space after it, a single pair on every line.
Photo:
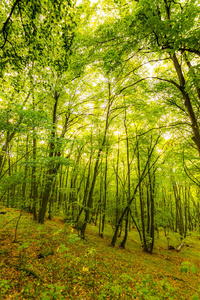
[92,96]
[169,32]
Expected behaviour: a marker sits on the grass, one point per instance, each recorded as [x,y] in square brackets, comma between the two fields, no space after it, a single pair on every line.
[51,262]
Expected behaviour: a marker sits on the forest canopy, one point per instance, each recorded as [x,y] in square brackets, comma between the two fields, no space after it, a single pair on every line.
[99,113]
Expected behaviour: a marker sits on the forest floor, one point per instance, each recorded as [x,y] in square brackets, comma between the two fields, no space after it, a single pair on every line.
[50,261]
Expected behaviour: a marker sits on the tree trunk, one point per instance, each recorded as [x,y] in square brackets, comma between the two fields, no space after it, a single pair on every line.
[123,243]
[105,193]
[34,183]
[187,102]
[90,196]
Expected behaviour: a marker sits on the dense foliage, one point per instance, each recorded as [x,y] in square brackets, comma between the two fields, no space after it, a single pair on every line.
[100,114]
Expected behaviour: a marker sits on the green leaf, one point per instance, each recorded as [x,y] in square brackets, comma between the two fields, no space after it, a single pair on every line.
[193,269]
[62,248]
[184,269]
[195,297]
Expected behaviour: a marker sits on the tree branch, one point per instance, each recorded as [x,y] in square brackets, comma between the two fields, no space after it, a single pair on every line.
[5,34]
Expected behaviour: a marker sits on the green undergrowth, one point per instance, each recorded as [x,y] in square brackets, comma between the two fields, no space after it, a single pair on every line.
[50,262]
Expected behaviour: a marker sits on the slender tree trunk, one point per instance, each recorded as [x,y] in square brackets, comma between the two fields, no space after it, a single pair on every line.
[96,167]
[54,151]
[142,176]
[100,199]
[87,185]
[141,202]
[117,185]
[105,193]
[34,182]
[148,209]
[52,170]
[123,243]
[9,173]
[25,174]
[152,207]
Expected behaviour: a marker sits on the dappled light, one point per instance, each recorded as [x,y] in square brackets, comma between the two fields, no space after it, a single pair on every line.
[99,149]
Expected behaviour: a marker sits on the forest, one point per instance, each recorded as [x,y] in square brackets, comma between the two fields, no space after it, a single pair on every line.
[99,147]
